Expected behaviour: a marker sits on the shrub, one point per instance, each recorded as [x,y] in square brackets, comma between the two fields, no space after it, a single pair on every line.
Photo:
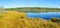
[55,19]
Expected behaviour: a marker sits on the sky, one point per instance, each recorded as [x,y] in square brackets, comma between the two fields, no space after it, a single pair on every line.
[30,3]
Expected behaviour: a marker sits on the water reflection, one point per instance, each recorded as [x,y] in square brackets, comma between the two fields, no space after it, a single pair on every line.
[44,15]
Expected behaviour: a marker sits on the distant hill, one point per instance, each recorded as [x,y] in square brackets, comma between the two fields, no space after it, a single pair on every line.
[34,9]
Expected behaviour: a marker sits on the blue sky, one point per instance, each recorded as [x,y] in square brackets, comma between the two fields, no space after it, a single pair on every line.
[30,3]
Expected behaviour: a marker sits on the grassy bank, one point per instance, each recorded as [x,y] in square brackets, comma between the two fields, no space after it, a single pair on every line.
[13,19]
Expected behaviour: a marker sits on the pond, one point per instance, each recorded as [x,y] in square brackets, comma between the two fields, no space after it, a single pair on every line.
[44,15]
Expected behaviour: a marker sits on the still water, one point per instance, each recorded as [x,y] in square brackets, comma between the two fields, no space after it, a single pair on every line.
[44,15]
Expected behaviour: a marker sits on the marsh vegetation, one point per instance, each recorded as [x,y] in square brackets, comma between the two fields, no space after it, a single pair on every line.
[14,19]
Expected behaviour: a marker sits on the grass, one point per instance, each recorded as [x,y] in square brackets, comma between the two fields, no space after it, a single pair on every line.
[13,19]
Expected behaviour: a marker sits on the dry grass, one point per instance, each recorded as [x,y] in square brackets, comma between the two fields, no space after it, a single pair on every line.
[14,19]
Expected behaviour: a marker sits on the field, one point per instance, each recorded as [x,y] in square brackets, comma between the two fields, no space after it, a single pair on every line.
[18,19]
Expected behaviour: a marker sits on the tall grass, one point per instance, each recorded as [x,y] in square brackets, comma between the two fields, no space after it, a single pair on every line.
[13,19]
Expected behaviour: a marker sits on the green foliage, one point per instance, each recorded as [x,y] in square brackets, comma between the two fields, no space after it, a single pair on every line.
[34,9]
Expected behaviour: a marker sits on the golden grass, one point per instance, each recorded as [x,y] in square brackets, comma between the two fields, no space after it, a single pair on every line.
[12,19]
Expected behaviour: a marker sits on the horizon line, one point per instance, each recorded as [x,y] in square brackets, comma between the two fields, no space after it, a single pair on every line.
[32,7]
